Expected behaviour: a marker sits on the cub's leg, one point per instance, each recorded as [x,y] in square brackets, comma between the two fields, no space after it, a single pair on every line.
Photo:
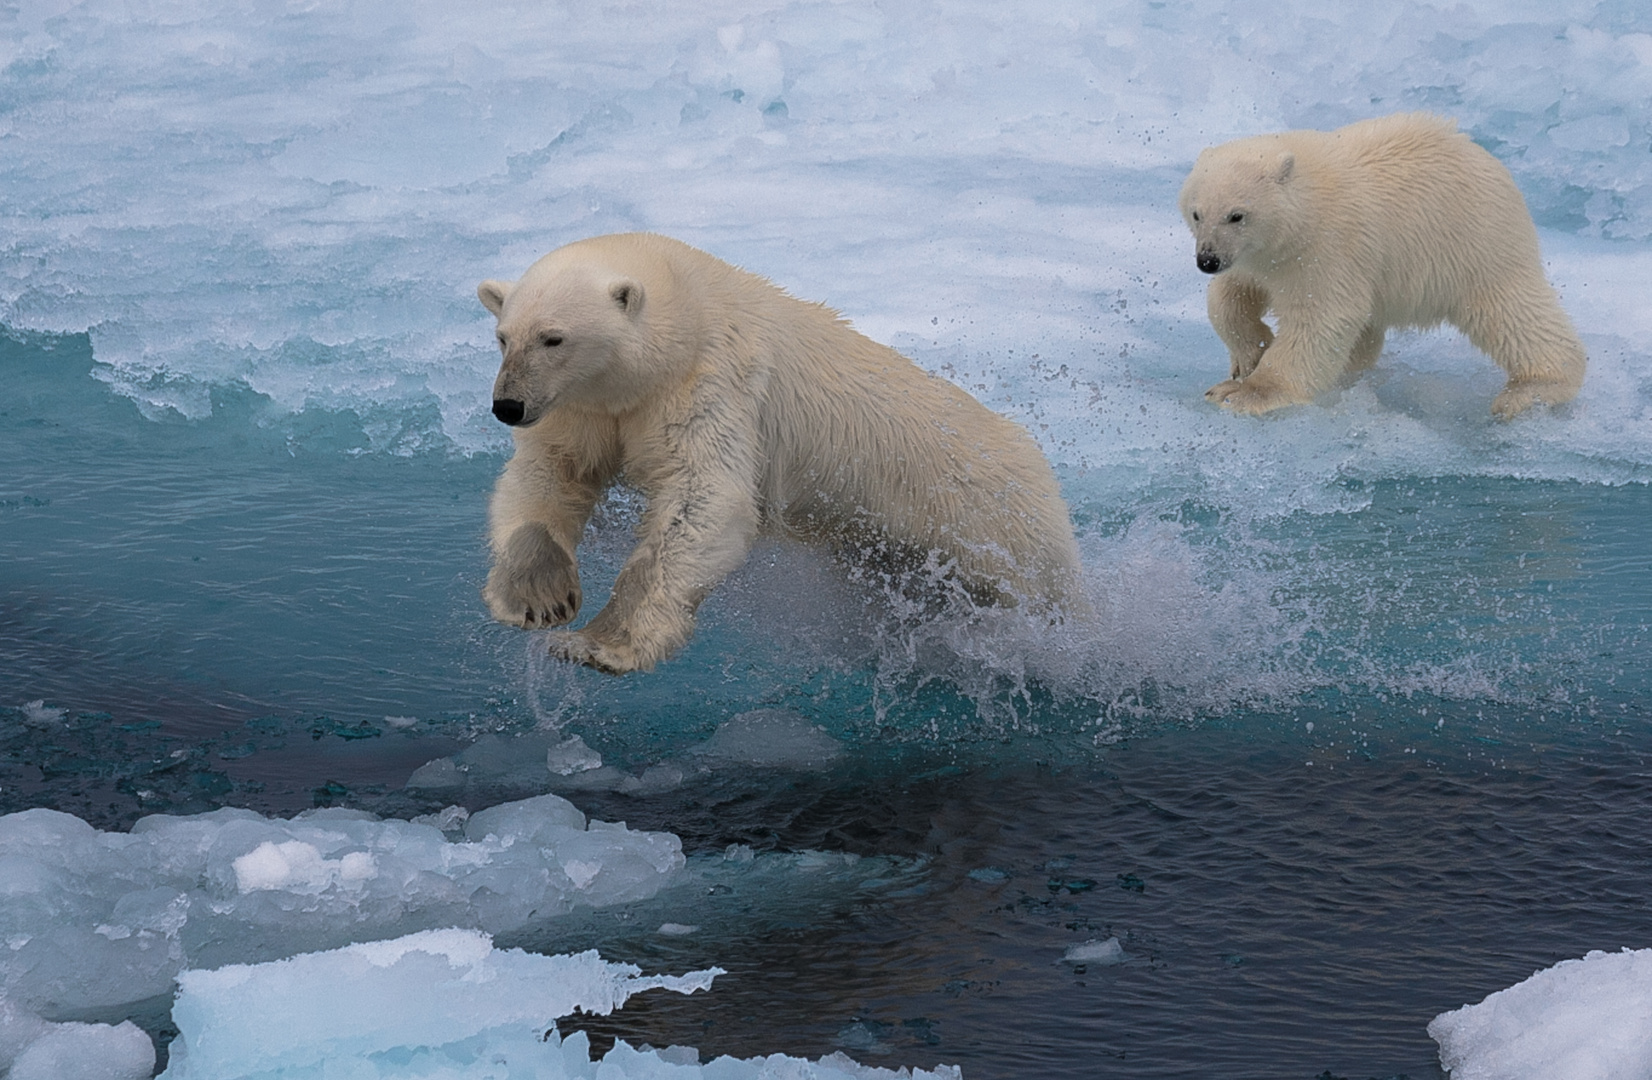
[1236,307]
[1306,358]
[1529,335]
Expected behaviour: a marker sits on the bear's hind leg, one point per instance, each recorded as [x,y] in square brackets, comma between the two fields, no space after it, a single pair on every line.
[1532,339]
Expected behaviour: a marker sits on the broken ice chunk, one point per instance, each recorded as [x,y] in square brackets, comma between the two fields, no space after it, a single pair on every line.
[1104,953]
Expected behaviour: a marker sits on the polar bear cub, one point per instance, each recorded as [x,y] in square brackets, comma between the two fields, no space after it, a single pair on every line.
[732,406]
[1393,222]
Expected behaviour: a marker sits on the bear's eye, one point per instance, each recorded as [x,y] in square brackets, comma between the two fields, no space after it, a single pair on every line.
[552,340]
[1195,215]
[1236,218]
[501,340]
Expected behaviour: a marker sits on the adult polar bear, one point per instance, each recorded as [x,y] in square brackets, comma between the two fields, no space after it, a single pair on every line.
[1397,221]
[731,405]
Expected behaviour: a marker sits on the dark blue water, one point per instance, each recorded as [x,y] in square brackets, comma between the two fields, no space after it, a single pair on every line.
[258,609]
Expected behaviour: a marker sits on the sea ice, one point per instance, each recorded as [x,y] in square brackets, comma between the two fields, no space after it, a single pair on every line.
[96,922]
[1588,1019]
[441,1004]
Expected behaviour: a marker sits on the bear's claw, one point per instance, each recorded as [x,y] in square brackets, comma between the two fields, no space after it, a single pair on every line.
[534,582]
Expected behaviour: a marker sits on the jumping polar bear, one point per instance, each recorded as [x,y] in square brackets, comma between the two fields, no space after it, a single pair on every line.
[1397,221]
[731,405]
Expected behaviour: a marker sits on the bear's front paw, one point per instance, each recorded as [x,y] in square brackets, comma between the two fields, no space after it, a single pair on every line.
[579,647]
[1251,396]
[535,582]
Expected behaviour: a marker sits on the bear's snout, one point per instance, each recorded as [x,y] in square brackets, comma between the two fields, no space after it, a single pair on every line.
[1209,262]
[509,410]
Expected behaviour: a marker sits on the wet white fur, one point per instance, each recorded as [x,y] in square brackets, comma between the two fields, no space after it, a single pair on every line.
[1400,221]
[732,406]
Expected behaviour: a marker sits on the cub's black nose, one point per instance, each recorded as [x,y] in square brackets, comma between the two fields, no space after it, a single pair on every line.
[1209,263]
[509,410]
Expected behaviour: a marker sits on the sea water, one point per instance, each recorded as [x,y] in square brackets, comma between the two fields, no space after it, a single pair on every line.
[1361,737]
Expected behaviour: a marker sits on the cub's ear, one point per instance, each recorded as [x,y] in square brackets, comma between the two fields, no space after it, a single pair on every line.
[492,294]
[1283,166]
[627,294]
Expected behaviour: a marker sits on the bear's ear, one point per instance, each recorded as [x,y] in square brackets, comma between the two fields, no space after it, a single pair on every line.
[1283,166]
[492,294]
[627,294]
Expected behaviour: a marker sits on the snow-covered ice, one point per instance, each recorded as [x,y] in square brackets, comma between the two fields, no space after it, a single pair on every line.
[97,921]
[1588,1019]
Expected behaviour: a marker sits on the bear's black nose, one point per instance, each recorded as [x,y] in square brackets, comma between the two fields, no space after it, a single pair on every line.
[1209,263]
[509,410]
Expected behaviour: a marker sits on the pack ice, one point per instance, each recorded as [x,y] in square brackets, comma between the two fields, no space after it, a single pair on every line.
[1588,1019]
[96,924]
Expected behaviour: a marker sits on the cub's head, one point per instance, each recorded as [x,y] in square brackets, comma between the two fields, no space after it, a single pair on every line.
[572,334]
[1231,202]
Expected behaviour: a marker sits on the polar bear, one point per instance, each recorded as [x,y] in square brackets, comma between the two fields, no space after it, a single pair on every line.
[732,406]
[1397,221]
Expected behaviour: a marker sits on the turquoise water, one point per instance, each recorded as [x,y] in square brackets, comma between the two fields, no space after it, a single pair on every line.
[1418,773]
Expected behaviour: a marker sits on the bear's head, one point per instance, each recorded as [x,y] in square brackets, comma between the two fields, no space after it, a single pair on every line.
[573,333]
[1231,201]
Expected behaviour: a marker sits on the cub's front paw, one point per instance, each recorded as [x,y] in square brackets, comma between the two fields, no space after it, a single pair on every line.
[579,647]
[1257,394]
[1244,360]
[535,582]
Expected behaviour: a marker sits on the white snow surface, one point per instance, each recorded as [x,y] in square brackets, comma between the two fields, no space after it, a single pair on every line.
[1588,1019]
[440,1004]
[298,199]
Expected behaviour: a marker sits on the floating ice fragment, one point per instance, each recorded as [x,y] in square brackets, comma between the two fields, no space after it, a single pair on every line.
[571,756]
[1105,953]
[1588,1019]
[438,775]
[989,874]
[677,929]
